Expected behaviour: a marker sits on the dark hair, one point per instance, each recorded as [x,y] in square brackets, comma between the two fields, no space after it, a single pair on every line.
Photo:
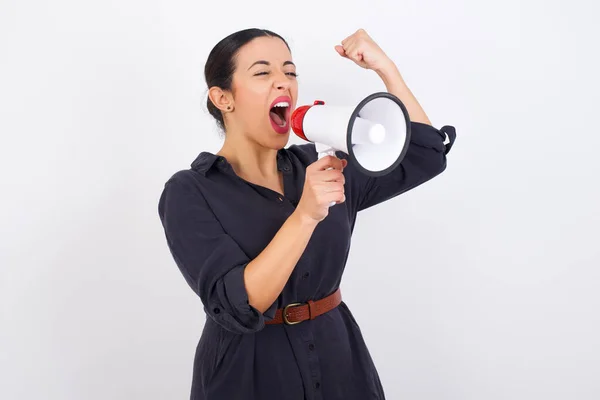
[220,64]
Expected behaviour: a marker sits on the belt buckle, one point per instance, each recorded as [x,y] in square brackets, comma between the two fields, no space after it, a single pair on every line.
[288,322]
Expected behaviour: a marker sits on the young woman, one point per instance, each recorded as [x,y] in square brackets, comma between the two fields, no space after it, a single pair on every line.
[251,230]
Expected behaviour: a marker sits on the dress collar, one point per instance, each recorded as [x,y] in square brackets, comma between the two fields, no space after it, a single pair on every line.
[207,160]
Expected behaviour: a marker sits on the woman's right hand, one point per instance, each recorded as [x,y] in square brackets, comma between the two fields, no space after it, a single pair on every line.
[322,186]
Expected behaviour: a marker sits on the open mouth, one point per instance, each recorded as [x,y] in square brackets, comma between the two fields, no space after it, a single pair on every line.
[279,113]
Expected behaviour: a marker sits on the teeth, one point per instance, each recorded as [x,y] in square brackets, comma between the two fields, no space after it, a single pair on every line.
[282,104]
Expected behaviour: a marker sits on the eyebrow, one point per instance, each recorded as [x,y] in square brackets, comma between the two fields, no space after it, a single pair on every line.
[264,62]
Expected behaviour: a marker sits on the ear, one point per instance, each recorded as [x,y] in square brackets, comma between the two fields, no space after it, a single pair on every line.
[220,98]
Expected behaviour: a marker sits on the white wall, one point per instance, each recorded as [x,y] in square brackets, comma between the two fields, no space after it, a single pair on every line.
[497,296]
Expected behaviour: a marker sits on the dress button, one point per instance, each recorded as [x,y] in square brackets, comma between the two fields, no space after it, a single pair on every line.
[306,275]
[280,198]
[311,347]
[317,385]
[216,310]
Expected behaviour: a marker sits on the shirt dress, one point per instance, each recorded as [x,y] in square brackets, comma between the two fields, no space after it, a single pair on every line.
[215,223]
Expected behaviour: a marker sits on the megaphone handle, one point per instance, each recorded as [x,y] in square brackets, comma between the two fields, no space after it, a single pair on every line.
[330,152]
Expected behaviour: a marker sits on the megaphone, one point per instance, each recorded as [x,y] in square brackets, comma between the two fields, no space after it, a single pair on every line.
[375,134]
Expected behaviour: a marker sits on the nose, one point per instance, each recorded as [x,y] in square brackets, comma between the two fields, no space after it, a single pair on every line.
[282,82]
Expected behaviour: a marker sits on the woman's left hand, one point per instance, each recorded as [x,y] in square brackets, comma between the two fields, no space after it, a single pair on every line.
[360,48]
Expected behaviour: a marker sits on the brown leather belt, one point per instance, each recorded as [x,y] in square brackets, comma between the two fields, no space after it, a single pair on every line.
[295,313]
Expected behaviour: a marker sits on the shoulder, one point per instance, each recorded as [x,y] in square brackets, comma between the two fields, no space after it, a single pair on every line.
[183,184]
[180,193]
[183,178]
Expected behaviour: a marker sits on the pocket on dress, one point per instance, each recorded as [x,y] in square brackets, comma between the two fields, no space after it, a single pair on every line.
[210,353]
[225,339]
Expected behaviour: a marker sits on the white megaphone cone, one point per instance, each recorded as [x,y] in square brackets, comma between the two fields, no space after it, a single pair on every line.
[375,134]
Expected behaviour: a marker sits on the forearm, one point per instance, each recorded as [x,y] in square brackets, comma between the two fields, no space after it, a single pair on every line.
[266,275]
[394,83]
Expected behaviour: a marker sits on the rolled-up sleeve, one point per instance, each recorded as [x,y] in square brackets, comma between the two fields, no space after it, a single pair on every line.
[424,159]
[210,260]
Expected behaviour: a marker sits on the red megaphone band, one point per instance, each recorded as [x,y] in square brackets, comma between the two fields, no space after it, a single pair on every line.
[297,119]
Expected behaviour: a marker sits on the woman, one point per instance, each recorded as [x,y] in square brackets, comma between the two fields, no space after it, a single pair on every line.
[251,230]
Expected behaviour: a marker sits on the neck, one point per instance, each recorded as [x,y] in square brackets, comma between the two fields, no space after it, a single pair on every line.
[248,158]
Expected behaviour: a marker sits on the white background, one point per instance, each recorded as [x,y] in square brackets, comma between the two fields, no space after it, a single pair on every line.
[481,284]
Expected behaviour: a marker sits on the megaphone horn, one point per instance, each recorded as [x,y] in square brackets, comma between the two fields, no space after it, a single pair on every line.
[375,134]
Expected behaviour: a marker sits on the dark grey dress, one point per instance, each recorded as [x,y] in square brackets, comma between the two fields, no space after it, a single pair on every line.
[215,223]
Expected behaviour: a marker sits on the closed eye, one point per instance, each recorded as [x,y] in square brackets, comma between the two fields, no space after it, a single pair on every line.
[295,75]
